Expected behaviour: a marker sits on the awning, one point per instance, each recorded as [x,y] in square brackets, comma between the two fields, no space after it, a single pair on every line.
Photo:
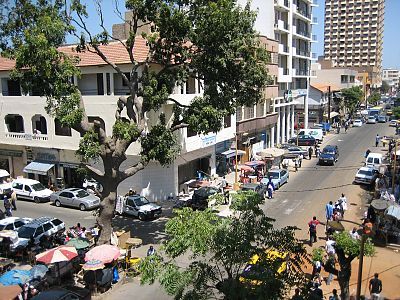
[232,153]
[38,168]
[271,152]
[393,211]
[4,173]
[333,114]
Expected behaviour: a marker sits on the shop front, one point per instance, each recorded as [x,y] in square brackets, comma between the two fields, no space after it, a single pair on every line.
[10,160]
[44,167]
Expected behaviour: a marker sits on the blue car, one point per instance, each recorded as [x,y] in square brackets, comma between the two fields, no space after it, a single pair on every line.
[278,177]
[329,155]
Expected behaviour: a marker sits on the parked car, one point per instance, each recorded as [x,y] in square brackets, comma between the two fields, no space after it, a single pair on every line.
[329,155]
[30,189]
[37,228]
[200,197]
[89,183]
[374,160]
[279,177]
[303,140]
[393,123]
[357,123]
[297,150]
[13,223]
[366,175]
[139,206]
[381,119]
[260,189]
[316,133]
[65,293]
[75,197]
[371,120]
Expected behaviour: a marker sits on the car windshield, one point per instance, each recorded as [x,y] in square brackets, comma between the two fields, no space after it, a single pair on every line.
[26,232]
[82,194]
[141,201]
[2,227]
[328,151]
[38,187]
[273,175]
[365,172]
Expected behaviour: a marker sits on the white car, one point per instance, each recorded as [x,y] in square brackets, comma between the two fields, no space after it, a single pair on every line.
[366,175]
[30,189]
[371,120]
[298,150]
[13,223]
[393,123]
[357,123]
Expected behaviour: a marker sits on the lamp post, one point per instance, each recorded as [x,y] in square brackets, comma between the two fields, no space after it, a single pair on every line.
[236,185]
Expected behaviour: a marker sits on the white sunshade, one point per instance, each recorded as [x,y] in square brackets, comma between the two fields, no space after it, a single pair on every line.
[4,173]
[232,153]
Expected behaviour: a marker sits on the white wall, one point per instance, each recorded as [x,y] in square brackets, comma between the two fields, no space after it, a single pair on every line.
[265,18]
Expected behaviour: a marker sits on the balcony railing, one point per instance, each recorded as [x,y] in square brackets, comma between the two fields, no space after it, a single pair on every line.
[27,136]
[302,72]
[303,33]
[304,13]
[303,53]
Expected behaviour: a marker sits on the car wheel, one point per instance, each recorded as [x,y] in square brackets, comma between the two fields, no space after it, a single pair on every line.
[141,217]
[57,203]
[82,207]
[278,186]
[36,199]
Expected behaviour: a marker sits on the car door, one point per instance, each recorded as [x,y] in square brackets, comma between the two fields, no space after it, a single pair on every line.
[283,176]
[49,229]
[130,207]
[38,234]
[18,188]
[27,192]
[66,198]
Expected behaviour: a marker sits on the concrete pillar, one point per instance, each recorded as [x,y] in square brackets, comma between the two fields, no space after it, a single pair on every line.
[283,124]
[272,139]
[112,84]
[196,85]
[287,120]
[104,83]
[1,86]
[292,120]
[76,80]
[213,163]
[184,88]
[278,126]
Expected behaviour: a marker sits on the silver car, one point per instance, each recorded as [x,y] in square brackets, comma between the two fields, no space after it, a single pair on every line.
[75,197]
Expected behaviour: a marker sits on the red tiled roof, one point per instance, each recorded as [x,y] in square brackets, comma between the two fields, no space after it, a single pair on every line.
[114,51]
[325,87]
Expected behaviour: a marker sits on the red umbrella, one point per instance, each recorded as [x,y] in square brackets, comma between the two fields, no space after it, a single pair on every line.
[58,254]
[245,168]
[104,253]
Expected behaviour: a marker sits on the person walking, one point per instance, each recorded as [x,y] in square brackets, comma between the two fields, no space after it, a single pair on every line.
[296,295]
[377,139]
[312,229]
[7,206]
[330,267]
[151,251]
[334,295]
[270,188]
[329,211]
[367,153]
[375,287]
[14,200]
[310,152]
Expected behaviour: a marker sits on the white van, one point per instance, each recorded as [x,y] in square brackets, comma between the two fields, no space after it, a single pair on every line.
[316,133]
[374,160]
[30,189]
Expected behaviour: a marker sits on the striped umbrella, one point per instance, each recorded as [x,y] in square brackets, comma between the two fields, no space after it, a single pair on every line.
[104,253]
[93,264]
[58,254]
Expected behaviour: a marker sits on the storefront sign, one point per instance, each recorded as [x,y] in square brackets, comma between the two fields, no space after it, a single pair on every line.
[209,140]
[13,153]
[48,155]
[69,165]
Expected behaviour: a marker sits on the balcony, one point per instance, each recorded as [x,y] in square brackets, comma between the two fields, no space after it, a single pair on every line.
[301,72]
[303,33]
[302,53]
[282,4]
[282,26]
[283,49]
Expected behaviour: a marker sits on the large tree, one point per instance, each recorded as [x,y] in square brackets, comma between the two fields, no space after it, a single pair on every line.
[213,41]
[352,98]
[219,251]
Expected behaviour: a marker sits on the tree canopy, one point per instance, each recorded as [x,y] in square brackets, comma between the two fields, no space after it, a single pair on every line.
[219,252]
[213,41]
[352,98]
[374,98]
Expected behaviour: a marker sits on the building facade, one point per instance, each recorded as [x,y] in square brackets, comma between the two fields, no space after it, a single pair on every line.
[353,35]
[392,77]
[293,30]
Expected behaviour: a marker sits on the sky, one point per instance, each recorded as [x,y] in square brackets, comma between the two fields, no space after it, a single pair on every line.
[391,50]
[391,33]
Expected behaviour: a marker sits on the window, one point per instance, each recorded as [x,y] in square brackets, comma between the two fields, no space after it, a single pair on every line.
[66,195]
[14,88]
[39,231]
[56,222]
[100,84]
[343,78]
[47,226]
[9,227]
[227,121]
[130,202]
[190,132]
[27,189]
[18,224]
[128,75]
[18,186]
[62,130]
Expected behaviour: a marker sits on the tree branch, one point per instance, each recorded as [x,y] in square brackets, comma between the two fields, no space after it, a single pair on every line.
[134,169]
[179,126]
[179,104]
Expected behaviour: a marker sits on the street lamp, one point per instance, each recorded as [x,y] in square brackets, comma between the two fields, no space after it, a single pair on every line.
[236,184]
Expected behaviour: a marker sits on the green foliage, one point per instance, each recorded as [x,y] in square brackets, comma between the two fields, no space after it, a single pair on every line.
[385,87]
[374,98]
[351,246]
[219,249]
[318,254]
[89,146]
[352,97]
[396,112]
[125,130]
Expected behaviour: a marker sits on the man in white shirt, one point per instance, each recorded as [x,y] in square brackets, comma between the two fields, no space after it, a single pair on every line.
[354,234]
[329,245]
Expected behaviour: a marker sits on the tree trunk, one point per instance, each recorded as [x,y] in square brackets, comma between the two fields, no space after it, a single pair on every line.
[106,214]
[344,274]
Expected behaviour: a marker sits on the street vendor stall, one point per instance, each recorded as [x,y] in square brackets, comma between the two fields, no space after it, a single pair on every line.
[259,168]
[392,224]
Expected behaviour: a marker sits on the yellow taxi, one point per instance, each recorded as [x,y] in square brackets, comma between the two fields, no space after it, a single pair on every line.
[389,112]
[254,268]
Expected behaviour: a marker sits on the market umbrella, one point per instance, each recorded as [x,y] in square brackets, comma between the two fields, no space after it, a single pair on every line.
[271,152]
[58,254]
[10,292]
[255,163]
[104,253]
[14,277]
[93,264]
[38,271]
[335,225]
[380,204]
[245,168]
[79,243]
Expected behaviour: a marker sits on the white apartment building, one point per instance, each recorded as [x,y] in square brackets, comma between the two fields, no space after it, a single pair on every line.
[354,35]
[35,145]
[293,30]
[391,76]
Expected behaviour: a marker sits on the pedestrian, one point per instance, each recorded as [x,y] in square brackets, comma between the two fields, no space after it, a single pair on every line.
[367,153]
[375,287]
[296,164]
[377,139]
[300,160]
[14,200]
[7,206]
[151,251]
[316,293]
[296,295]
[371,214]
[334,295]
[329,211]
[310,152]
[346,126]
[354,233]
[330,245]
[270,188]
[330,267]
[343,202]
[312,229]
[367,226]
[224,191]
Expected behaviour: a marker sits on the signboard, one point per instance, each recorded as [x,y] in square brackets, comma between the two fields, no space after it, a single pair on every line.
[209,140]
[50,155]
[13,153]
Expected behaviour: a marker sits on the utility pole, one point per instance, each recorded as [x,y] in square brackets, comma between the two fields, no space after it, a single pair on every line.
[329,104]
[360,265]
[394,166]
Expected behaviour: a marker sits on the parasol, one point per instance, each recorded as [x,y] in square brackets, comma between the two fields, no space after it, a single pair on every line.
[380,204]
[38,271]
[104,253]
[14,277]
[255,163]
[93,264]
[245,168]
[271,152]
[58,254]
[78,243]
[10,292]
